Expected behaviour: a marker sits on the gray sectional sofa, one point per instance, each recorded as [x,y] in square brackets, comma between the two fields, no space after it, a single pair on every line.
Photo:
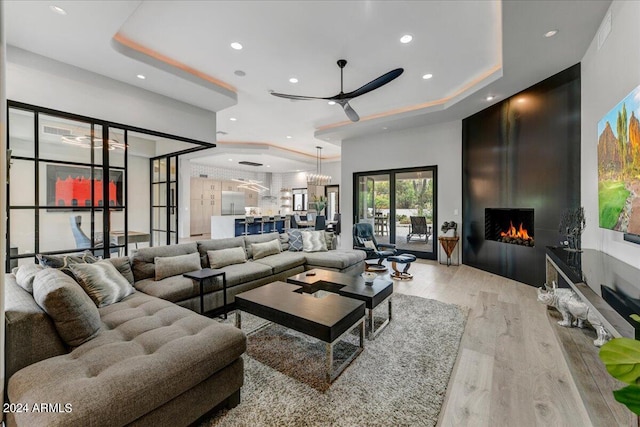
[149,358]
[151,363]
[241,276]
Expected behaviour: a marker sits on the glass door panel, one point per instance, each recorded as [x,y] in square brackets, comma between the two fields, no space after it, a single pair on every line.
[400,205]
[414,211]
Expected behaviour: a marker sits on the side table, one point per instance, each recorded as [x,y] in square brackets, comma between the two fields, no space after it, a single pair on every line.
[449,243]
[209,273]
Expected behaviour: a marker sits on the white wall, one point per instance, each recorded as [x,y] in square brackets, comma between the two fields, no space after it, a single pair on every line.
[439,144]
[608,75]
[41,81]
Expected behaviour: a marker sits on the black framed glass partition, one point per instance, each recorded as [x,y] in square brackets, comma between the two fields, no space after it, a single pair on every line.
[70,179]
[401,206]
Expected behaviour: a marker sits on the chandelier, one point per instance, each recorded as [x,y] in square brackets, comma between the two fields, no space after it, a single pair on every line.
[85,142]
[250,184]
[317,178]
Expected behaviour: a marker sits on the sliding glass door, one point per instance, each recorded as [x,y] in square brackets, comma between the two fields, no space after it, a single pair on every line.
[400,205]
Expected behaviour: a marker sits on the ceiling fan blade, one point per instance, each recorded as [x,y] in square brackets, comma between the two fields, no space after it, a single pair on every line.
[298,97]
[351,113]
[375,84]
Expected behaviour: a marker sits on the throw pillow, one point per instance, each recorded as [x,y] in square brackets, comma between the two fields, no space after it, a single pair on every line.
[223,257]
[295,240]
[369,244]
[261,250]
[102,282]
[174,265]
[123,265]
[62,262]
[330,238]
[314,241]
[25,275]
[74,315]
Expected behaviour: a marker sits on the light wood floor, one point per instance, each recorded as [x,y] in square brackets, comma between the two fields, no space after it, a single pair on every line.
[510,369]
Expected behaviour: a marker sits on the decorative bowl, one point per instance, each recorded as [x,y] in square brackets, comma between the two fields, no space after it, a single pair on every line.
[369,277]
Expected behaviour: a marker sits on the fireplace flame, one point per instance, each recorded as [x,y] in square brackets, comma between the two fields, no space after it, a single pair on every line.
[519,233]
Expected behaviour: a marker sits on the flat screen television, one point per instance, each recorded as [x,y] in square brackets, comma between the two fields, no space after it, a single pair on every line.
[619,166]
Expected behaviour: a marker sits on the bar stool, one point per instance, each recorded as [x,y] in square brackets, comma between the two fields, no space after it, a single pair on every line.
[262,222]
[276,219]
[247,220]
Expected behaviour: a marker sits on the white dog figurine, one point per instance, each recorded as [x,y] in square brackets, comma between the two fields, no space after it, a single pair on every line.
[574,311]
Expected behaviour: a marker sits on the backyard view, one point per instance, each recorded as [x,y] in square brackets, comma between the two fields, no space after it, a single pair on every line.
[409,223]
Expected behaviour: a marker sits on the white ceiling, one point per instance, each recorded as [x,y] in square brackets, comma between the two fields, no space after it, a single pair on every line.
[472,48]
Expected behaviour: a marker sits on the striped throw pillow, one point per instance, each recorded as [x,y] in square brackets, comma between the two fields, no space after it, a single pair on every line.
[102,282]
[314,241]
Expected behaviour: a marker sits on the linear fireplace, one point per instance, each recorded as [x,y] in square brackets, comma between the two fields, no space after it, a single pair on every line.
[512,226]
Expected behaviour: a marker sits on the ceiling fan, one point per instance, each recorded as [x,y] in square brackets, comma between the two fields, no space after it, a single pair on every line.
[344,98]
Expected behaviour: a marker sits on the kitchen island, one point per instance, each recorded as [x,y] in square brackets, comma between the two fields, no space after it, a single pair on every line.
[234,225]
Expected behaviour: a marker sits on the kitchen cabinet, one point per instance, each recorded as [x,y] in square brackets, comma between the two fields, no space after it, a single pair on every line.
[206,195]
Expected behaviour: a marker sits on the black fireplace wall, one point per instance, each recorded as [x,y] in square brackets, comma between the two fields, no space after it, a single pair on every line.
[522,152]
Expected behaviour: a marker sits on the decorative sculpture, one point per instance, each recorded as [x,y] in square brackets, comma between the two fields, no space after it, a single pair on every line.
[574,311]
[572,225]
[450,225]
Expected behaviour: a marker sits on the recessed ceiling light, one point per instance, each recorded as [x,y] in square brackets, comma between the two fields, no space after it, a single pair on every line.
[268,166]
[141,76]
[406,38]
[58,10]
[231,160]
[293,80]
[289,137]
[332,102]
[489,98]
[233,119]
[236,46]
[550,33]
[427,76]
[384,128]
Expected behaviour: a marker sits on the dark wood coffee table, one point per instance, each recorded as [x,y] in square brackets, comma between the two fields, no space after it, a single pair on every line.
[328,319]
[351,287]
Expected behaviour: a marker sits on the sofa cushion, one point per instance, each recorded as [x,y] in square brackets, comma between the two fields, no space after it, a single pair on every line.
[174,289]
[149,352]
[123,265]
[295,240]
[339,259]
[62,262]
[216,244]
[143,258]
[314,241]
[176,265]
[284,241]
[74,315]
[261,250]
[102,282]
[242,273]
[223,257]
[258,238]
[283,261]
[25,275]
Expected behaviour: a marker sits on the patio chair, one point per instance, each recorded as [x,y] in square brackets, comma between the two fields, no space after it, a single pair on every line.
[364,239]
[419,228]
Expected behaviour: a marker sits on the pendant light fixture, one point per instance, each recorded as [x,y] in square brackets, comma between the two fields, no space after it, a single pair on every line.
[318,178]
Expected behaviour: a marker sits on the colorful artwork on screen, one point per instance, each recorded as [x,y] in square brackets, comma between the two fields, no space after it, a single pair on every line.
[619,166]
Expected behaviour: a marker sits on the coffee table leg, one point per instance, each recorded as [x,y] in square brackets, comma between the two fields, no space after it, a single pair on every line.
[201,296]
[329,362]
[238,319]
[331,376]
[373,332]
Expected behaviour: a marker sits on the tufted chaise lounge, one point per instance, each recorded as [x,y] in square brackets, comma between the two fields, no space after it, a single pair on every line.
[152,363]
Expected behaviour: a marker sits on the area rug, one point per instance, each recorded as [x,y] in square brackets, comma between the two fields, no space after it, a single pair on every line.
[400,379]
